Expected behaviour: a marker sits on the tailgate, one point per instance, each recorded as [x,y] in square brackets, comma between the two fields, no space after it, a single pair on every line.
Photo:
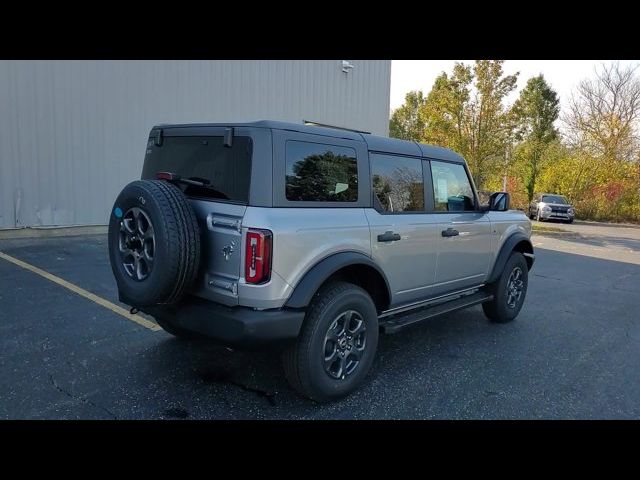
[221,250]
[222,169]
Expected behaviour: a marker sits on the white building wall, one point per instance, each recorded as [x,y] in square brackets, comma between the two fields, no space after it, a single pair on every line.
[73,133]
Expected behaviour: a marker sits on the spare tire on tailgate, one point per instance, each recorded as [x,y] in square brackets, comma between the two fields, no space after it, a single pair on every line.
[154,243]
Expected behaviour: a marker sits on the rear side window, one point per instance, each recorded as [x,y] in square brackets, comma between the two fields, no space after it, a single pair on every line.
[226,170]
[321,173]
[397,183]
[451,187]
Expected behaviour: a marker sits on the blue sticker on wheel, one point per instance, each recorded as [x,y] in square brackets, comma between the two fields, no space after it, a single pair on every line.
[117,212]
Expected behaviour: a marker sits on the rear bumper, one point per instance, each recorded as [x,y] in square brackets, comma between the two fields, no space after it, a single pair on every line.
[235,326]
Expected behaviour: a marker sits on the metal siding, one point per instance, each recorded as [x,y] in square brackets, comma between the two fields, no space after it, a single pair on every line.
[73,133]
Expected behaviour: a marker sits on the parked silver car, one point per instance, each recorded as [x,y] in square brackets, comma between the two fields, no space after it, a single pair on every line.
[312,238]
[550,206]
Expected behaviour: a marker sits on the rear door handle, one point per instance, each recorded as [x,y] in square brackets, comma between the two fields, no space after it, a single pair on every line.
[389,236]
[450,232]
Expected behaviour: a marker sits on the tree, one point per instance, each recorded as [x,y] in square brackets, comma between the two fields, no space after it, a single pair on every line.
[465,112]
[594,159]
[602,116]
[535,113]
[603,122]
[407,122]
[445,109]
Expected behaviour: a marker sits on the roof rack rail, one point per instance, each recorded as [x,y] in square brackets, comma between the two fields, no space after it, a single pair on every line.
[316,124]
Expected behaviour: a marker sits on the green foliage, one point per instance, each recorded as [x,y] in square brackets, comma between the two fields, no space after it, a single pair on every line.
[464,112]
[595,162]
[534,115]
[407,121]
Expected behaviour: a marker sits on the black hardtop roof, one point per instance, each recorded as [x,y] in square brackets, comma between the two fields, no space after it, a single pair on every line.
[374,143]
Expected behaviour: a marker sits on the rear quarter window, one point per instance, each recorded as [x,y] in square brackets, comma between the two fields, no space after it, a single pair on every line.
[320,173]
[226,169]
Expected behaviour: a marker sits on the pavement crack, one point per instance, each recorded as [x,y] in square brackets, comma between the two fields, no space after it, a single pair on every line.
[561,279]
[223,377]
[257,391]
[81,398]
[546,276]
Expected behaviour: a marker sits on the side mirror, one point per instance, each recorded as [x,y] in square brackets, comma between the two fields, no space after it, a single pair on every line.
[499,202]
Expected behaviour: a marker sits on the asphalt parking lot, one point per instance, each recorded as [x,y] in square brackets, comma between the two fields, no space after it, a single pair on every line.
[572,353]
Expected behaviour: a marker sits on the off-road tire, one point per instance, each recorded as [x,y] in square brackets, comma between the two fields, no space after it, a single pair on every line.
[176,243]
[497,310]
[303,361]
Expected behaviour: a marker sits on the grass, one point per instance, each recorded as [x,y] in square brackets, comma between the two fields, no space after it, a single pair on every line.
[543,228]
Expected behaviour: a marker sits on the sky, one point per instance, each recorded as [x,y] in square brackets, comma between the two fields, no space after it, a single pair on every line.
[563,75]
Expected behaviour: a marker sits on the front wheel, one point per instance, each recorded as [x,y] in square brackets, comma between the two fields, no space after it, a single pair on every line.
[337,343]
[508,291]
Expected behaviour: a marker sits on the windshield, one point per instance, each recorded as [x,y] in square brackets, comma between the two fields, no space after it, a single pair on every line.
[224,171]
[554,199]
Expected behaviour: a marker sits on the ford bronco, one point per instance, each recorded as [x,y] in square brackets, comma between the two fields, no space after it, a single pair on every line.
[311,238]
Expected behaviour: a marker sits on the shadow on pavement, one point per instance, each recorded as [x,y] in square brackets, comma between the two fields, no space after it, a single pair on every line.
[594,240]
[571,353]
[568,355]
[606,225]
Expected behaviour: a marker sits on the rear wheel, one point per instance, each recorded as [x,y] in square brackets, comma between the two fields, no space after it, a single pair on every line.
[337,343]
[508,291]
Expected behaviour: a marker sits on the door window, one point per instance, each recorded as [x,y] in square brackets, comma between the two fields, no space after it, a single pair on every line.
[452,190]
[397,183]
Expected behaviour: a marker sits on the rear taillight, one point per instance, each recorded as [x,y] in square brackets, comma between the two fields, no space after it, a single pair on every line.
[257,267]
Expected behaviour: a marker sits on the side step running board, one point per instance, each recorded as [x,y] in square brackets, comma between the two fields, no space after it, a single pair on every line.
[399,321]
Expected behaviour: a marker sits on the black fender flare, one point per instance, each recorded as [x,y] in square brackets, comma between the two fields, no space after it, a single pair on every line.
[321,271]
[509,246]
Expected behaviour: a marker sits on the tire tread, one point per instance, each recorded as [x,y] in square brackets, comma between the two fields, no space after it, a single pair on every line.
[296,372]
[181,235]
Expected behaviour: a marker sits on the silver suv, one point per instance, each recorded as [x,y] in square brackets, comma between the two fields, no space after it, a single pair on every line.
[550,206]
[314,239]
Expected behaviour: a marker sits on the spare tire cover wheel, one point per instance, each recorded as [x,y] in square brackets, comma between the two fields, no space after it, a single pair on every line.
[154,243]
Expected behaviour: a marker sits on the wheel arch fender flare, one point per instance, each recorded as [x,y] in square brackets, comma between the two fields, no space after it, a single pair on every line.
[517,242]
[313,279]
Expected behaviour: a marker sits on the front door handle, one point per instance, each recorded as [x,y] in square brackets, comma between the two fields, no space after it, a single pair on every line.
[450,232]
[389,236]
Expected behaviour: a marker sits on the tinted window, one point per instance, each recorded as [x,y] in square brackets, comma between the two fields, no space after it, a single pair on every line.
[321,173]
[226,169]
[397,183]
[452,189]
[554,199]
